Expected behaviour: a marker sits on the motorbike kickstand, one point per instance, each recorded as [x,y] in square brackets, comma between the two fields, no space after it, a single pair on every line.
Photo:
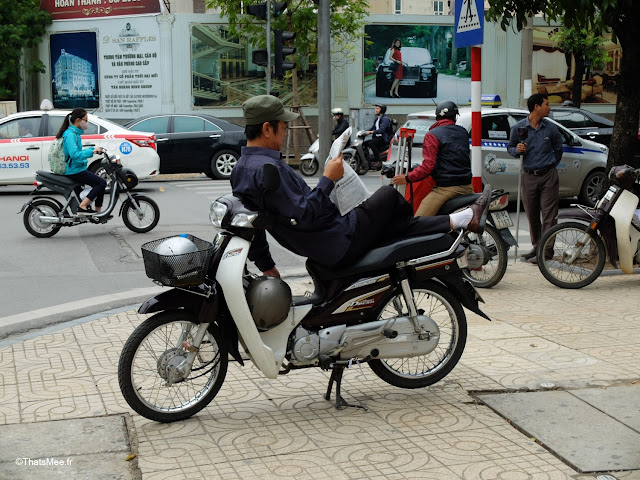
[336,376]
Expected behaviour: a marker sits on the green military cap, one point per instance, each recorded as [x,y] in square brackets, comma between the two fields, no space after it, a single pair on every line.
[265,108]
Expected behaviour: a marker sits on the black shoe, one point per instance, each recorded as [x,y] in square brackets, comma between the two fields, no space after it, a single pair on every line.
[86,211]
[375,165]
[528,255]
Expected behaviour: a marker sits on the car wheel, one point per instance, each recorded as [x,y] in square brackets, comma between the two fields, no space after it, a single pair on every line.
[99,170]
[591,190]
[222,164]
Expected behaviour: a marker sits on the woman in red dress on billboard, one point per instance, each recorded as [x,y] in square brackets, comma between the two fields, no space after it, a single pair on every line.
[396,58]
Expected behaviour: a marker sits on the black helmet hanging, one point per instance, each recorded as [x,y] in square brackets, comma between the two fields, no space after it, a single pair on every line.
[447,110]
[383,108]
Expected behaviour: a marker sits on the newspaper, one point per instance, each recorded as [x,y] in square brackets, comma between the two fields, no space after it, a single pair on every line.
[349,191]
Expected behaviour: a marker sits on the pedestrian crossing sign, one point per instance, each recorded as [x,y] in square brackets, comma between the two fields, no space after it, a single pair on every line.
[469,19]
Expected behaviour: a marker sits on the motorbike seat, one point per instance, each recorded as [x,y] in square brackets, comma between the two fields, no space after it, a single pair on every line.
[384,256]
[61,180]
[457,203]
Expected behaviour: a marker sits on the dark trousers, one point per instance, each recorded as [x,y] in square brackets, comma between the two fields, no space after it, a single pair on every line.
[540,196]
[376,144]
[384,216]
[98,183]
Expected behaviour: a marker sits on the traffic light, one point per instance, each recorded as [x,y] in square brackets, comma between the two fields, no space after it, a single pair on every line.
[259,11]
[281,51]
[279,8]
[260,57]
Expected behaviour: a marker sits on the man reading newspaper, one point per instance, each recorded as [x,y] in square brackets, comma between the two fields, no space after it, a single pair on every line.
[320,231]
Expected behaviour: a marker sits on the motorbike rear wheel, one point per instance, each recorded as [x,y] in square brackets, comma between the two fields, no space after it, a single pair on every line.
[147,370]
[493,271]
[41,207]
[439,304]
[309,167]
[570,239]
[149,218]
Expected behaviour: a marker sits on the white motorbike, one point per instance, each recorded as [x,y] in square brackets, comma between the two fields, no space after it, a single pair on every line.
[572,254]
[309,163]
[399,308]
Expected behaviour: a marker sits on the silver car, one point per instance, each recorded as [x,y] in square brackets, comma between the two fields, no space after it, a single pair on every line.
[581,170]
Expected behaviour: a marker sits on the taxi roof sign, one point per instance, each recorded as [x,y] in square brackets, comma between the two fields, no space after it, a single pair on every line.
[489,100]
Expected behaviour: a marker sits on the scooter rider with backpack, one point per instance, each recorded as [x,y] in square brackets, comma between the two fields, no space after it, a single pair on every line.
[381,131]
[73,126]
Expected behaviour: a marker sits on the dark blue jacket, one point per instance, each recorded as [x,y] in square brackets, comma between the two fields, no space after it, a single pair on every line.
[320,233]
[385,129]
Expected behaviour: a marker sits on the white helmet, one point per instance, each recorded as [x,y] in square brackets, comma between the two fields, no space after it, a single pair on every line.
[337,111]
[175,246]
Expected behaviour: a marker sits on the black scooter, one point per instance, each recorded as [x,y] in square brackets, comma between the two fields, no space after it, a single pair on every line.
[45,215]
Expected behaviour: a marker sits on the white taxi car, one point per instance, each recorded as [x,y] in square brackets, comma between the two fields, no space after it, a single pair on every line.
[26,137]
[581,170]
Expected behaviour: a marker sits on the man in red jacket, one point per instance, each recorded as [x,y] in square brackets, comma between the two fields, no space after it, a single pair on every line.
[445,153]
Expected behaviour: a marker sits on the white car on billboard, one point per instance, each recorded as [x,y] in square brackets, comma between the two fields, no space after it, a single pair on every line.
[26,137]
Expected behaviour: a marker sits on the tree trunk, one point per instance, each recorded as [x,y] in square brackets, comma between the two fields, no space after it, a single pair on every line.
[576,90]
[625,131]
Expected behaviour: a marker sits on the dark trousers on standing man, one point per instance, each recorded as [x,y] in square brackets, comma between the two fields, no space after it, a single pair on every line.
[540,196]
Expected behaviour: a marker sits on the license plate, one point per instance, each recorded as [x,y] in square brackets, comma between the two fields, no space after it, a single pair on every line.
[501,220]
[409,83]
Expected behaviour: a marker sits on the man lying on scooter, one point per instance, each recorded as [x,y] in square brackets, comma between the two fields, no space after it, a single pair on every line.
[381,137]
[320,232]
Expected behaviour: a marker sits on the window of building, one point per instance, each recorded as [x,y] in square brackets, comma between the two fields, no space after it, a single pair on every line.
[438,8]
[398,7]
[199,6]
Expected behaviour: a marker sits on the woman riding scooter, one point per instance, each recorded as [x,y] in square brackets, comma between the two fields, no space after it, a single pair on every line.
[73,126]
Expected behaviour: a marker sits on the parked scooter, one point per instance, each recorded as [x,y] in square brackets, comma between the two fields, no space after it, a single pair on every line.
[398,308]
[496,240]
[309,163]
[572,254]
[45,215]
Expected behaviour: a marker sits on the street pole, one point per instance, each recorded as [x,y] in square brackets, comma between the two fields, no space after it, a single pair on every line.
[268,72]
[324,82]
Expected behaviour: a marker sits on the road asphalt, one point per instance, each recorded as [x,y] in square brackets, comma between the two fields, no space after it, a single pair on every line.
[549,389]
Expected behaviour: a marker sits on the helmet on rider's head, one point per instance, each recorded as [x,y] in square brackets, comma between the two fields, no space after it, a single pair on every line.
[337,111]
[447,110]
[383,108]
[269,300]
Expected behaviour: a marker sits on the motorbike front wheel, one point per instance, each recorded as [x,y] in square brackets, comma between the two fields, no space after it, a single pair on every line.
[578,257]
[148,372]
[493,271]
[146,220]
[309,167]
[439,304]
[41,207]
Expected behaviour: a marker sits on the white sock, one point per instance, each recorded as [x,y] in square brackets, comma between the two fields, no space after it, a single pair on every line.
[461,219]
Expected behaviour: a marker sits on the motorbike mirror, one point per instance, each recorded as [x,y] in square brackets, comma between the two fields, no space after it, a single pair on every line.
[270,177]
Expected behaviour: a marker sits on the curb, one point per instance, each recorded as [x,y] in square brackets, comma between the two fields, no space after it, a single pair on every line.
[44,317]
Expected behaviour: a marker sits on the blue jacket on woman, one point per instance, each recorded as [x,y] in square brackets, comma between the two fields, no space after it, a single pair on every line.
[72,146]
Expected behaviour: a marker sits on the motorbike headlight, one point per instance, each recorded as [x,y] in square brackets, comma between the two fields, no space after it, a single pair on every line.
[243,220]
[217,211]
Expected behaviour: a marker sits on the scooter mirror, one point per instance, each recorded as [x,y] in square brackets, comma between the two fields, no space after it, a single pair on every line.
[270,176]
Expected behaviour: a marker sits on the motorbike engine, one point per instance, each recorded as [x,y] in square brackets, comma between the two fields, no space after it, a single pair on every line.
[477,256]
[307,346]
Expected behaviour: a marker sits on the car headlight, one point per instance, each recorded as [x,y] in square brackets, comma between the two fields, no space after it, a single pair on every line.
[217,211]
[604,149]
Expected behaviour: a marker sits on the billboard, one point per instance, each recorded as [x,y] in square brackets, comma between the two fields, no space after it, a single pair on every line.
[222,74]
[428,69]
[553,71]
[88,9]
[74,70]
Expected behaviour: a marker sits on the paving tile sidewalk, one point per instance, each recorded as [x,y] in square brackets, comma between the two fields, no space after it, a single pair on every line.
[284,429]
